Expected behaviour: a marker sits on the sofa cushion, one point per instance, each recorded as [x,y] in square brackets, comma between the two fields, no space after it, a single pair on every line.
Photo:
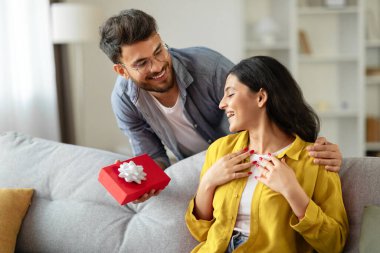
[14,204]
[360,179]
[370,230]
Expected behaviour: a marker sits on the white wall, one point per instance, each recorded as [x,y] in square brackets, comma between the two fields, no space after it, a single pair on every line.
[217,24]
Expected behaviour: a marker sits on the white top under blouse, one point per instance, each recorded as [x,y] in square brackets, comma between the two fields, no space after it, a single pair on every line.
[244,214]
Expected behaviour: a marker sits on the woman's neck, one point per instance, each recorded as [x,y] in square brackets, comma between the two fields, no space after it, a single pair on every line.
[268,138]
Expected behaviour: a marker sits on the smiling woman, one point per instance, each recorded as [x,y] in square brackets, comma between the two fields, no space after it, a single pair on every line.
[28,100]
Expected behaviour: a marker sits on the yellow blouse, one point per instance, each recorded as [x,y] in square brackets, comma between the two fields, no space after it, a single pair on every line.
[274,227]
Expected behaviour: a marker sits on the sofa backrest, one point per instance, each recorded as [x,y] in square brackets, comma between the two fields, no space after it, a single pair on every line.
[72,212]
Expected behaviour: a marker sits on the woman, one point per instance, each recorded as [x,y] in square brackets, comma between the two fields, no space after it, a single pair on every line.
[260,190]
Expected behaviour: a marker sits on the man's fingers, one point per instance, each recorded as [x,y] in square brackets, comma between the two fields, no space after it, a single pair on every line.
[329,162]
[325,154]
[321,140]
[326,147]
[141,199]
[147,196]
[332,168]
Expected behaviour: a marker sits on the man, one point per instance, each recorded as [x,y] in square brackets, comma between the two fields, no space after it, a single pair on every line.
[170,97]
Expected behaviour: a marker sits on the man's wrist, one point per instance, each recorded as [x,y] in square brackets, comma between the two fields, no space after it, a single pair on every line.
[161,164]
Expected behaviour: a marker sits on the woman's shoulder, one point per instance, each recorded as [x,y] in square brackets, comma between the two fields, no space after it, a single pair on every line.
[300,157]
[228,144]
[306,164]
[226,139]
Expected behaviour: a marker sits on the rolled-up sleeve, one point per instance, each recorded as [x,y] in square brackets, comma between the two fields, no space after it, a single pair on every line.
[325,224]
[197,227]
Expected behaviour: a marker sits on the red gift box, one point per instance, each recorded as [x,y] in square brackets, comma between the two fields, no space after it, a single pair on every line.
[124,191]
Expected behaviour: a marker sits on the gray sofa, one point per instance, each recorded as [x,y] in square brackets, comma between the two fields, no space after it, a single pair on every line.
[72,212]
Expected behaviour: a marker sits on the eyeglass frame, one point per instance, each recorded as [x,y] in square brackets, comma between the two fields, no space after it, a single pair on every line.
[150,59]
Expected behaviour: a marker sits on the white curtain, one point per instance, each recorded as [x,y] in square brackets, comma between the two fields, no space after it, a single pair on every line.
[28,96]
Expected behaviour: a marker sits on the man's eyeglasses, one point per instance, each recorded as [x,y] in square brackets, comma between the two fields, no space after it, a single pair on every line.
[145,66]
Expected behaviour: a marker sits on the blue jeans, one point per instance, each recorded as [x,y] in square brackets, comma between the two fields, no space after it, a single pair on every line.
[237,238]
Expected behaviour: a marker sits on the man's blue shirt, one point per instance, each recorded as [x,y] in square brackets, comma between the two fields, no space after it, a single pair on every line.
[200,74]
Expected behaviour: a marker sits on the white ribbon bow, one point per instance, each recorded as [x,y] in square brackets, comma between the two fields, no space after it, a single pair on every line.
[132,172]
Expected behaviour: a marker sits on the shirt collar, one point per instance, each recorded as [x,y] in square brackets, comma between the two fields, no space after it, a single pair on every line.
[182,75]
[294,150]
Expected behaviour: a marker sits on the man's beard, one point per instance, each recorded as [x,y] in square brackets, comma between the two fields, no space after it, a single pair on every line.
[169,84]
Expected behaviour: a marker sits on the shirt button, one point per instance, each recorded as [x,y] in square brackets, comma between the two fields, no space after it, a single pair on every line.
[236,195]
[209,141]
[195,125]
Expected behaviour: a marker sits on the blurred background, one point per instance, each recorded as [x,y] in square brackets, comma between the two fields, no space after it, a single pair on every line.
[55,82]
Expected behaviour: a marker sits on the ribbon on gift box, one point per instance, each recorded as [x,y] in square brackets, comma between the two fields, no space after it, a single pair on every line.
[132,172]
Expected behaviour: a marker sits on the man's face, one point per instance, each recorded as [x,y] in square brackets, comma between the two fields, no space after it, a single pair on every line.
[148,64]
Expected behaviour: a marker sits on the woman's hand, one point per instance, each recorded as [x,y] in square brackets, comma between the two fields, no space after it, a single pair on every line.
[278,176]
[227,168]
[224,170]
[326,153]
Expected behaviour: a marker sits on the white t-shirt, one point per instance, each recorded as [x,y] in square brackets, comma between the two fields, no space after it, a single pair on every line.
[243,219]
[189,141]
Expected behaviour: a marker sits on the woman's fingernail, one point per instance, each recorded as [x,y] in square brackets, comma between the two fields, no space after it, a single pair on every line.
[257,165]
[245,149]
[252,152]
[254,162]
[260,158]
[255,177]
[249,173]
[269,154]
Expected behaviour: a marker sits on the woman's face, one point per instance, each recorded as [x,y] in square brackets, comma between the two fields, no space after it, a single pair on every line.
[241,105]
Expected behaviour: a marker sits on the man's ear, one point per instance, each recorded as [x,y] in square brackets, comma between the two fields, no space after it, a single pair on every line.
[262,97]
[120,70]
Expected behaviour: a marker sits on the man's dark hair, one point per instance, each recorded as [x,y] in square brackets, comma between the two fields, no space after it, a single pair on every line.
[127,28]
[286,106]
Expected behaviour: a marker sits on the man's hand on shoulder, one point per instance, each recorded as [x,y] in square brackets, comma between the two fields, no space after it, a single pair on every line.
[326,153]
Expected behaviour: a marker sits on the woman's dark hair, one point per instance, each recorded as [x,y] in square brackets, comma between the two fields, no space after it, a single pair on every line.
[285,106]
[127,28]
